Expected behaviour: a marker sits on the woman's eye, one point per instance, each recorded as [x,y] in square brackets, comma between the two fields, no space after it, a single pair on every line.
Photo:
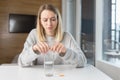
[53,19]
[45,20]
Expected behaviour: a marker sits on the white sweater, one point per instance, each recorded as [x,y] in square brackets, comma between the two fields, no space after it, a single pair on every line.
[73,55]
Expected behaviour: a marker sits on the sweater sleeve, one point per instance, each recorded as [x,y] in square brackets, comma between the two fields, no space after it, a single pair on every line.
[74,54]
[27,56]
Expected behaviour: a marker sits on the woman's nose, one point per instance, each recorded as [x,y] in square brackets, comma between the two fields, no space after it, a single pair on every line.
[49,22]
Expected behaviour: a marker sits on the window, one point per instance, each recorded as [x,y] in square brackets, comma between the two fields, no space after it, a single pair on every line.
[111,43]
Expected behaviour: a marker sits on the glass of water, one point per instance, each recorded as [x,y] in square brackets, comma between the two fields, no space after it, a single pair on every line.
[49,64]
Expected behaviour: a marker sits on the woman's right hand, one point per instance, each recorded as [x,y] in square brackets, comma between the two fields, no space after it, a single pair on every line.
[41,47]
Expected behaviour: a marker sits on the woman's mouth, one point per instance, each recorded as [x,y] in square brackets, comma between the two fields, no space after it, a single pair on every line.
[50,28]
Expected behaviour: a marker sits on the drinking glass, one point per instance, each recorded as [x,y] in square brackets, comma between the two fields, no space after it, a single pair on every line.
[49,63]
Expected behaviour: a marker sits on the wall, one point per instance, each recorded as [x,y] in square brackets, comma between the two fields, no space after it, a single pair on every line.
[88,30]
[11,44]
[88,15]
[71,15]
[109,68]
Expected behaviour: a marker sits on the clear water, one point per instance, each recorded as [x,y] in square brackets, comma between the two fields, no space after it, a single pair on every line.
[49,68]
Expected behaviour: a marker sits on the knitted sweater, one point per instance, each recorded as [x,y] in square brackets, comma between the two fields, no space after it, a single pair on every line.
[73,55]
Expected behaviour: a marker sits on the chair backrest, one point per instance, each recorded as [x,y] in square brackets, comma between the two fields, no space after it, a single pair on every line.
[15,59]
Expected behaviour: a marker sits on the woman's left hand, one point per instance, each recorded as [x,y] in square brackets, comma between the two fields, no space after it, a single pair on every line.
[58,47]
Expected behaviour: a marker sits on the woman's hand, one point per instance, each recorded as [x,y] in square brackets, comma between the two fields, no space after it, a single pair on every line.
[41,47]
[59,47]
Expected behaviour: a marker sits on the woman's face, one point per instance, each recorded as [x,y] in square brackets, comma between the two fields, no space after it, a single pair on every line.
[49,22]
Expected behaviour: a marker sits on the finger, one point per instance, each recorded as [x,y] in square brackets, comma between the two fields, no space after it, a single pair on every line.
[46,46]
[63,50]
[60,48]
[40,48]
[54,47]
[36,48]
[43,46]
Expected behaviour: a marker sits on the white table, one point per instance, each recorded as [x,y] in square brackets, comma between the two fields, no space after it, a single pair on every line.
[14,72]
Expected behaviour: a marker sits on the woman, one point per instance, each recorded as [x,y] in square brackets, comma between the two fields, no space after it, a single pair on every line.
[48,36]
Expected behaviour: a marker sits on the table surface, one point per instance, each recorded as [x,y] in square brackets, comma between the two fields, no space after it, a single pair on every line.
[62,72]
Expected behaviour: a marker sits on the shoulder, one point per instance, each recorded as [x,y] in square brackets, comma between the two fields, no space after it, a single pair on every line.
[68,38]
[33,31]
[67,34]
[32,35]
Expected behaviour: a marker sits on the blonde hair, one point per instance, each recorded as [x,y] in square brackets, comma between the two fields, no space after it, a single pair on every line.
[40,29]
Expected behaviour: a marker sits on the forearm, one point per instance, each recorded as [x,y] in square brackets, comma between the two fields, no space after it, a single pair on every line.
[27,57]
[76,58]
